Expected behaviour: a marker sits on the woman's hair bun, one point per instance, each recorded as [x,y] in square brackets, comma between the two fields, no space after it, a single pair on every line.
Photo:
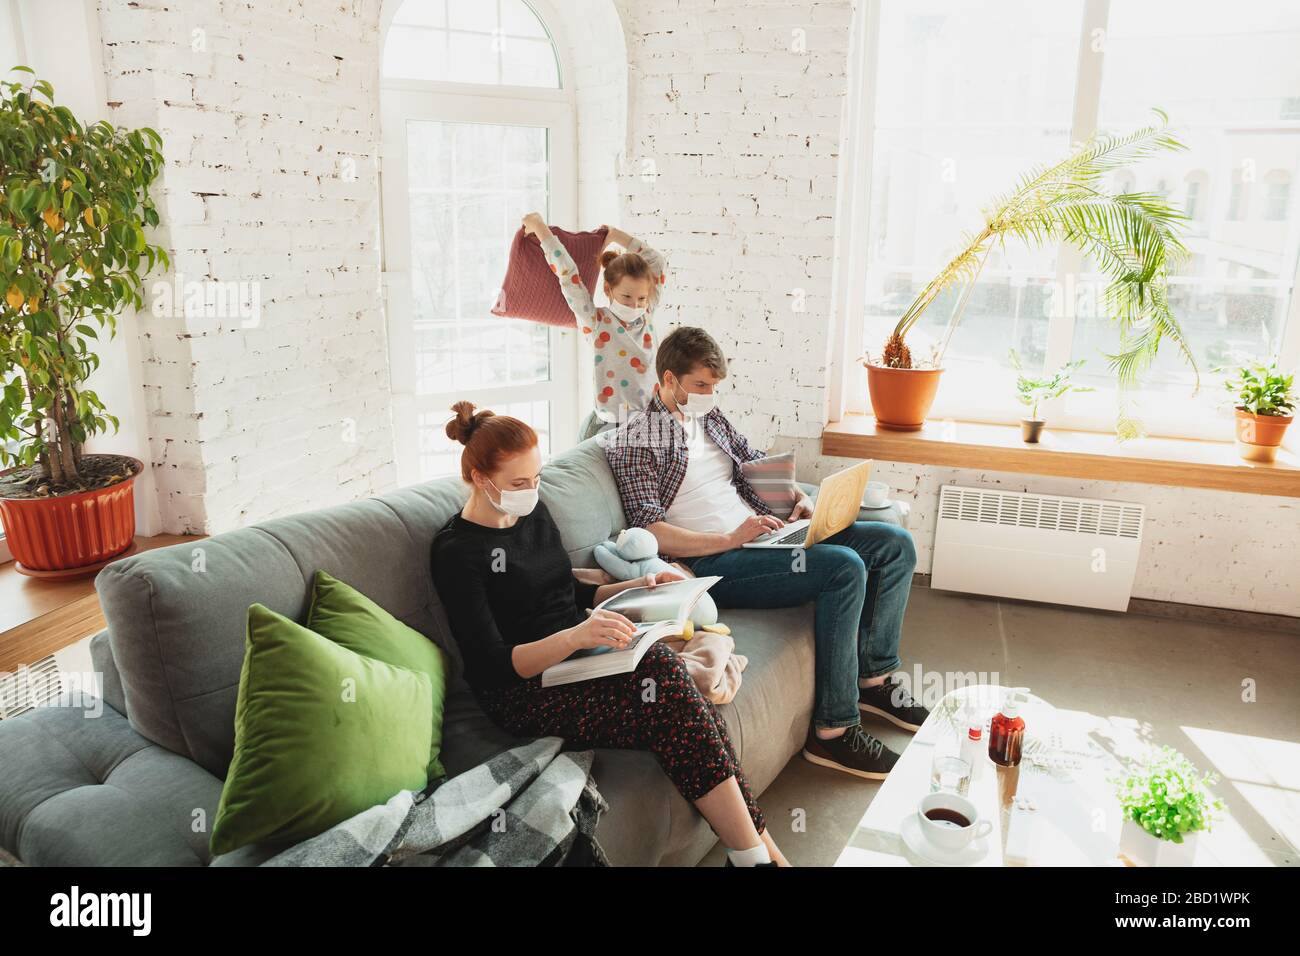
[464,423]
[608,256]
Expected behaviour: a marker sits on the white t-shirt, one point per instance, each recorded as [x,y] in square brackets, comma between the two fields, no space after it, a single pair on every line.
[707,501]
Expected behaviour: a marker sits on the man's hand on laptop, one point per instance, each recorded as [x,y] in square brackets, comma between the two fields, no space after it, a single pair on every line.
[755,526]
[803,508]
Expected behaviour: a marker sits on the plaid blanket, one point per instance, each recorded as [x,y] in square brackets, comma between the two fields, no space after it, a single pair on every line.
[532,805]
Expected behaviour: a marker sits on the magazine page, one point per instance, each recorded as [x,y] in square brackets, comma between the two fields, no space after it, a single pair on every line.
[672,601]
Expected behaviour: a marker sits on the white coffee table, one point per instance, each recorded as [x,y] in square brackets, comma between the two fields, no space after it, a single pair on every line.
[1064,774]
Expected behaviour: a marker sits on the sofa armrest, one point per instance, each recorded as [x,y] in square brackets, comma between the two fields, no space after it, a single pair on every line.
[79,787]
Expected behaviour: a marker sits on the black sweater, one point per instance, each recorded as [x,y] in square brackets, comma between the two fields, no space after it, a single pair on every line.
[502,587]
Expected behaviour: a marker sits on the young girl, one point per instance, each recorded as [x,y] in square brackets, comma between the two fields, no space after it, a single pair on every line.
[515,608]
[621,334]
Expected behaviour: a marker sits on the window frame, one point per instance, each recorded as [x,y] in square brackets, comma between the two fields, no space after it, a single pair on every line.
[848,392]
[403,100]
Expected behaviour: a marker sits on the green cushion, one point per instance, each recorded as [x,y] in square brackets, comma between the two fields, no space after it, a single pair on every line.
[321,734]
[349,618]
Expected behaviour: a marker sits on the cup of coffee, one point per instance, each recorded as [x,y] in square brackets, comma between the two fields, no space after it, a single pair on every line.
[876,495]
[950,821]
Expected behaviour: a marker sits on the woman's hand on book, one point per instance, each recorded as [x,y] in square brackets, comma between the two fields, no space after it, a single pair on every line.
[603,629]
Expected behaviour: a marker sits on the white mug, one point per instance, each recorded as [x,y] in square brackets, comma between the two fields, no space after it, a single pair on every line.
[949,835]
[876,495]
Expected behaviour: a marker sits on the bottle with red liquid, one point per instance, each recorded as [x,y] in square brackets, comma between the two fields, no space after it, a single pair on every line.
[1007,729]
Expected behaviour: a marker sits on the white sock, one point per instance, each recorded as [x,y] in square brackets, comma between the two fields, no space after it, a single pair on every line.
[750,857]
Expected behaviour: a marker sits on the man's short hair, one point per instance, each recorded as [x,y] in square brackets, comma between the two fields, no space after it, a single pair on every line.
[687,348]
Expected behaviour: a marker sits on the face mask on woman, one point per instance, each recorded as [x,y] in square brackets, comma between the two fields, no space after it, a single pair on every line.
[517,503]
[626,314]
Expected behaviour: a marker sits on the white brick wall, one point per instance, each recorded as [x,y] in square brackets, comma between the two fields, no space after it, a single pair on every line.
[735,128]
[266,110]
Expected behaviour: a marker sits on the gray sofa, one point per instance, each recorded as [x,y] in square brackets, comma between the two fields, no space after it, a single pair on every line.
[139,785]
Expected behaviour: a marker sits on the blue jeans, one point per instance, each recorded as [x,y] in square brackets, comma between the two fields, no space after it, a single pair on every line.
[859,579]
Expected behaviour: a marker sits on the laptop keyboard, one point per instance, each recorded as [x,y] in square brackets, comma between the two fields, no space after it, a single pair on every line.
[796,537]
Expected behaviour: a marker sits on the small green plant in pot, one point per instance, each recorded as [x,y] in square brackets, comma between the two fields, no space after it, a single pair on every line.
[1264,400]
[1166,802]
[73,254]
[1032,392]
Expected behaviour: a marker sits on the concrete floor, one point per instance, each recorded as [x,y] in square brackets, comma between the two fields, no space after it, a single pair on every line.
[1164,681]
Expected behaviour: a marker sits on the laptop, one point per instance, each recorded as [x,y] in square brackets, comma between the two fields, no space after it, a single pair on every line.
[838,501]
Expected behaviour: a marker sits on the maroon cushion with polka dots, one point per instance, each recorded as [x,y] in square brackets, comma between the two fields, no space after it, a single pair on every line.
[530,289]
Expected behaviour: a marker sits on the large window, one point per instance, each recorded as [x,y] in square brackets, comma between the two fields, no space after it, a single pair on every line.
[967,95]
[463,162]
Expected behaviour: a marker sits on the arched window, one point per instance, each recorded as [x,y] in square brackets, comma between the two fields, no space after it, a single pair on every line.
[1238,198]
[478,130]
[1277,195]
[470,41]
[1196,185]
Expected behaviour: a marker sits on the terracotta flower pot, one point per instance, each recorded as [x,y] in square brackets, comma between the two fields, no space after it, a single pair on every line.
[901,397]
[1031,429]
[77,533]
[1258,436]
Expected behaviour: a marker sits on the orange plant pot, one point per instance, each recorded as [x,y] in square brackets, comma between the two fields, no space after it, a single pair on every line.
[1258,436]
[901,397]
[80,531]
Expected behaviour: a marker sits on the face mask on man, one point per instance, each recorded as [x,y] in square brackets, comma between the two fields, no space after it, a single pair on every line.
[517,503]
[626,314]
[696,405]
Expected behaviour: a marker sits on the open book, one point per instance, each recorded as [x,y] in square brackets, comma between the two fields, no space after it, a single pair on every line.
[657,612]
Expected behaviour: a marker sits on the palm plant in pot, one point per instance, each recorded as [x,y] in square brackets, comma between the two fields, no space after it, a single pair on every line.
[72,254]
[1132,237]
[1032,392]
[1165,803]
[1264,400]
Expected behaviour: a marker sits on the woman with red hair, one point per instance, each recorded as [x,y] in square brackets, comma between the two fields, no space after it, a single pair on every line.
[516,607]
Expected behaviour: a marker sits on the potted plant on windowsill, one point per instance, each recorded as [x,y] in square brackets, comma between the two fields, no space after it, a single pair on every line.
[1032,392]
[1264,400]
[72,254]
[1131,237]
[1166,803]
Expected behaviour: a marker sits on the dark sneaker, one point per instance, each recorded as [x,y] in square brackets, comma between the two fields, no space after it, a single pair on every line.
[855,751]
[892,701]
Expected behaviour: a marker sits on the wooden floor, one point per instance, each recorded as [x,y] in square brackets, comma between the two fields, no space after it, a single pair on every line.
[39,617]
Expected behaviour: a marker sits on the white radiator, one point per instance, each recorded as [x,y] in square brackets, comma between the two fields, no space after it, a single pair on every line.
[1076,551]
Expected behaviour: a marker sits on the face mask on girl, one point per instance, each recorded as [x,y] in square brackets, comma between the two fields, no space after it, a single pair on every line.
[626,314]
[517,503]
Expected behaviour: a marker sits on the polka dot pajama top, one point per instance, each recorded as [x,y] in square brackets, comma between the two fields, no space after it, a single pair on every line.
[624,355]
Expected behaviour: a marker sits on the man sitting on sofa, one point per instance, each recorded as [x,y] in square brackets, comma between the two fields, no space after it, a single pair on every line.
[677,467]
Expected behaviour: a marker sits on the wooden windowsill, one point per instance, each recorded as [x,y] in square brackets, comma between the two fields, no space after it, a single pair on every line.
[39,617]
[1069,454]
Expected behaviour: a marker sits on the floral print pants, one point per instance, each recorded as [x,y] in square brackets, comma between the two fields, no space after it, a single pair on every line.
[657,707]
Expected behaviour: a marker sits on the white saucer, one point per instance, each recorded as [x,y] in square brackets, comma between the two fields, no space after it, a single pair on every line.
[918,844]
[889,503]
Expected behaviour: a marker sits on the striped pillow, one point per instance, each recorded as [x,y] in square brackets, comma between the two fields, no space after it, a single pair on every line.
[772,479]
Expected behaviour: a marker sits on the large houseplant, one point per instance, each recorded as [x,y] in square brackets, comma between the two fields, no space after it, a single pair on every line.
[1130,236]
[1264,400]
[72,254]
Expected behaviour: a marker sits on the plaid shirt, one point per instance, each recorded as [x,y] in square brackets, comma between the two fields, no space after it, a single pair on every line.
[648,455]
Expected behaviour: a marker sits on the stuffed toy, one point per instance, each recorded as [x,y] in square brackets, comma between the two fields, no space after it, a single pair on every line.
[635,553]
